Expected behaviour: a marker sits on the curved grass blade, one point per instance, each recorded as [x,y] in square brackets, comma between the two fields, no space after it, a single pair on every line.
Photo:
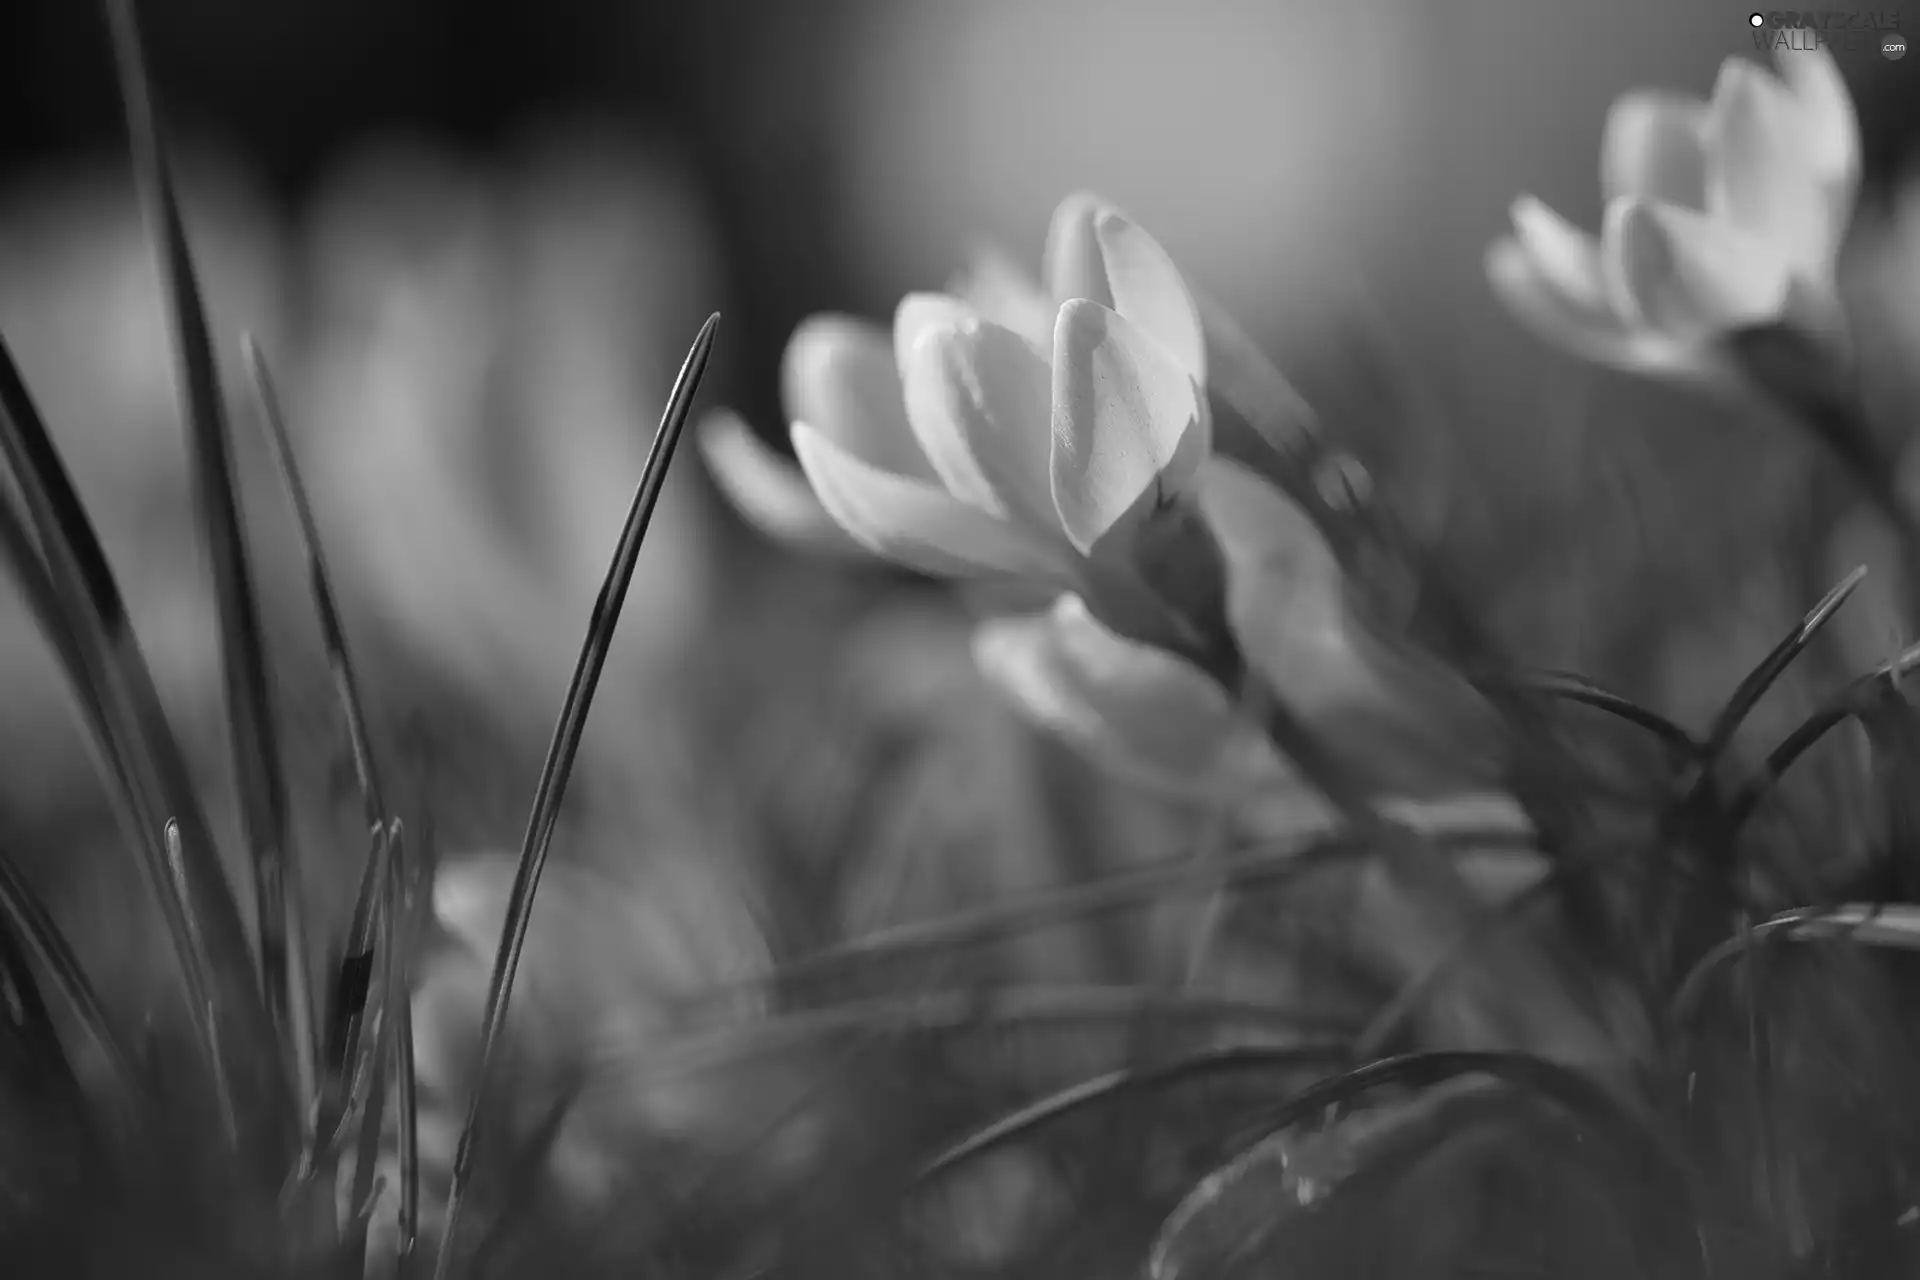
[1599,1113]
[1874,924]
[1080,1096]
[1810,731]
[45,945]
[1570,687]
[256,749]
[148,775]
[1754,687]
[560,757]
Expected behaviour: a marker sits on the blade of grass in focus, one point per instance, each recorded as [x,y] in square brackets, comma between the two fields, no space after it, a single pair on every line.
[256,749]
[559,763]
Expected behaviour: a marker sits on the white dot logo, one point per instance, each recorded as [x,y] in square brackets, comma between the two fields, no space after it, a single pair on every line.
[1894,47]
[1756,19]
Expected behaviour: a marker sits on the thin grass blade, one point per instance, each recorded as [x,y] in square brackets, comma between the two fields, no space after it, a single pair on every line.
[1874,924]
[145,767]
[47,947]
[1750,690]
[1576,688]
[560,757]
[1080,1096]
[1848,703]
[348,1065]
[256,749]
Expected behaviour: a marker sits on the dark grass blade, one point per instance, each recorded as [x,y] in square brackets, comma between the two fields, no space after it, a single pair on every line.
[1569,687]
[1876,924]
[326,602]
[27,1030]
[146,770]
[1087,1093]
[1754,687]
[1810,731]
[560,757]
[1598,1113]
[347,1064]
[256,748]
[391,1055]
[43,943]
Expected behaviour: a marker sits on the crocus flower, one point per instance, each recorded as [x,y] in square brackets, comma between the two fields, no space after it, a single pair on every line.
[1002,430]
[1720,216]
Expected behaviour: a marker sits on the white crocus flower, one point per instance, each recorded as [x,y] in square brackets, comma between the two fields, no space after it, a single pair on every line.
[1153,717]
[1720,216]
[1002,430]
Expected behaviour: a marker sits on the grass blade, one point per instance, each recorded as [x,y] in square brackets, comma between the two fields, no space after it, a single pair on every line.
[147,771]
[326,603]
[1080,1096]
[1761,678]
[1876,924]
[1575,688]
[1809,732]
[560,757]
[256,748]
[46,946]
[345,1059]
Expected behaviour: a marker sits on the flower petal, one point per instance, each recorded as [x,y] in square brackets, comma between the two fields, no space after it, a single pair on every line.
[1687,275]
[1128,421]
[1593,333]
[766,488]
[1408,723]
[1654,147]
[920,312]
[1243,380]
[1831,127]
[1147,715]
[839,375]
[1072,265]
[1566,257]
[1149,290]
[1003,291]
[1761,170]
[916,523]
[980,400]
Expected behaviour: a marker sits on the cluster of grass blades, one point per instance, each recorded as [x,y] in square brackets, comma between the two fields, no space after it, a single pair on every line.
[257,1157]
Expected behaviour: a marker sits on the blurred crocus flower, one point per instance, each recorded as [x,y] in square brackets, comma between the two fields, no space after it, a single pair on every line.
[1004,430]
[1720,216]
[1159,720]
